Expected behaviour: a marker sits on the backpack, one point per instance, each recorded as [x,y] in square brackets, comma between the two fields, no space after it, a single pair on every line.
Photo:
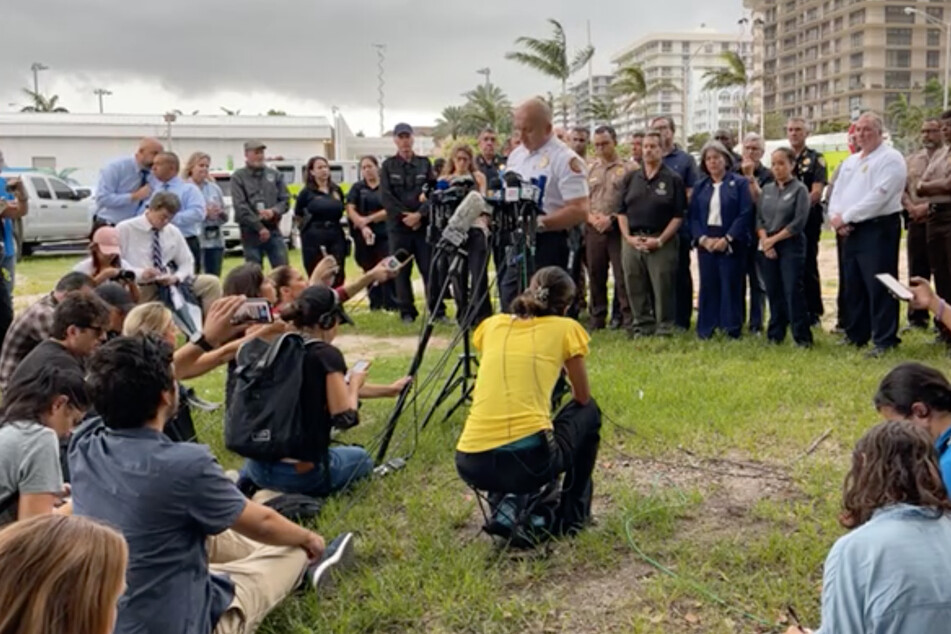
[264,418]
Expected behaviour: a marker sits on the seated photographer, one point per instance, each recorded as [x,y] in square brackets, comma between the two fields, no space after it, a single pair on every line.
[160,257]
[889,574]
[327,400]
[32,326]
[119,300]
[105,262]
[45,555]
[476,279]
[174,505]
[289,283]
[921,396]
[509,443]
[38,410]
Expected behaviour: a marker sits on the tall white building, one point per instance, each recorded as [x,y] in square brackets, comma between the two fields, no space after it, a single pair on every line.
[682,59]
[578,112]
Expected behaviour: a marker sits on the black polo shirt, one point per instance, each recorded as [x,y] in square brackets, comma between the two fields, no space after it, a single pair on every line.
[489,169]
[651,203]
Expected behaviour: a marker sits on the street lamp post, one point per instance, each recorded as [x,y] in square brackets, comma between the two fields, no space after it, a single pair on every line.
[101,92]
[947,47]
[36,67]
[488,75]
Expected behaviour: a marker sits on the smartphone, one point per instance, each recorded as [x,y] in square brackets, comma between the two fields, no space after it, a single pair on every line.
[360,366]
[895,287]
[254,311]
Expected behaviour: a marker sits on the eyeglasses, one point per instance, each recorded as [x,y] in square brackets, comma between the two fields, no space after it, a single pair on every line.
[96,329]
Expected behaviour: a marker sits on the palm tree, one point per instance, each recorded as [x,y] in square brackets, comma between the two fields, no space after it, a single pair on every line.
[904,121]
[733,75]
[934,96]
[452,123]
[42,103]
[602,110]
[229,112]
[632,87]
[488,106]
[551,58]
[276,113]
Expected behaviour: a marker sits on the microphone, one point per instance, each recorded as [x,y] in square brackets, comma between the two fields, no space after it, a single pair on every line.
[468,211]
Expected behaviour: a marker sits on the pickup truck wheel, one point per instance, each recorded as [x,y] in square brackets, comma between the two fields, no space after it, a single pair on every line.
[27,249]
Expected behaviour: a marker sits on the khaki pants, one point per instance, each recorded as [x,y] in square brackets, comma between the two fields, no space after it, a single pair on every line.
[207,289]
[651,282]
[262,575]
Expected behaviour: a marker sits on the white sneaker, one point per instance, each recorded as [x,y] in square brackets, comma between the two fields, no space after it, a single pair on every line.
[339,554]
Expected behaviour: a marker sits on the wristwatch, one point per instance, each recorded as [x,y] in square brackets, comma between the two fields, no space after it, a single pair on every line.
[200,341]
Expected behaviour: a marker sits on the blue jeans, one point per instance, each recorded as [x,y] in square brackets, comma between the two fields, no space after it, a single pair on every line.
[347,465]
[255,250]
[212,260]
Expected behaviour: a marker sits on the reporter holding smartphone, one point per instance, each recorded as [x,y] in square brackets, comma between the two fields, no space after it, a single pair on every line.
[13,205]
[327,400]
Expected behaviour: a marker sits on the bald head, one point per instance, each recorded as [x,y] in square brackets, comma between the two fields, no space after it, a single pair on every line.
[148,149]
[533,122]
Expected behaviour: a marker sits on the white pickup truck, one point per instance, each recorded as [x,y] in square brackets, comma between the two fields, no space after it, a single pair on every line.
[58,211]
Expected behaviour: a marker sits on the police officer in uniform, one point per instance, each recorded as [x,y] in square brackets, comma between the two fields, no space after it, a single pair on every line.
[810,169]
[565,204]
[402,178]
[491,165]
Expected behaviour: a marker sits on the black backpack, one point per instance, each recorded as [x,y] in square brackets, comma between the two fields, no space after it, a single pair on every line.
[264,419]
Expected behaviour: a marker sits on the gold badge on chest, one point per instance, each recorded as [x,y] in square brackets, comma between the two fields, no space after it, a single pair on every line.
[544,162]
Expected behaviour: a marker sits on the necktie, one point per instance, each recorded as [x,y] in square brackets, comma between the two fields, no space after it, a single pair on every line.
[165,186]
[143,181]
[157,260]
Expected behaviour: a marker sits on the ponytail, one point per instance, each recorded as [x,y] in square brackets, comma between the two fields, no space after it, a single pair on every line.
[911,383]
[551,292]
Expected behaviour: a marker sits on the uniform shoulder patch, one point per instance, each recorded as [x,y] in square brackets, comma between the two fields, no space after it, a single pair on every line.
[576,165]
[821,160]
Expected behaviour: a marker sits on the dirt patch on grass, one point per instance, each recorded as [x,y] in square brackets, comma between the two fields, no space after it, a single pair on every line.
[369,346]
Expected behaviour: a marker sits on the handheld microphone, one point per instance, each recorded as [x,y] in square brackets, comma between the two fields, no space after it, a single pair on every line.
[468,211]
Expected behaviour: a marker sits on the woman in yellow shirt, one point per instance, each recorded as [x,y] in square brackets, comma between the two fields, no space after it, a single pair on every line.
[509,443]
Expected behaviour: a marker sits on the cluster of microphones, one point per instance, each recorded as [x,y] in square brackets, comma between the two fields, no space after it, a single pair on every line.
[508,194]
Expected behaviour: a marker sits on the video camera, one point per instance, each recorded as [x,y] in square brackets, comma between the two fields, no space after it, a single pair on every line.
[444,198]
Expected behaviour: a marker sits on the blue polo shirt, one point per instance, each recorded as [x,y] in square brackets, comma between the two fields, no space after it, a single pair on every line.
[944,456]
[685,167]
[165,498]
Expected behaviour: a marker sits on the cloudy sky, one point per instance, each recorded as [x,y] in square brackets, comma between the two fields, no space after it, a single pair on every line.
[304,56]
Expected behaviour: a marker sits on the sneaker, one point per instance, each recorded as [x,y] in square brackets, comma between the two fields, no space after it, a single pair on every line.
[407,319]
[195,402]
[339,554]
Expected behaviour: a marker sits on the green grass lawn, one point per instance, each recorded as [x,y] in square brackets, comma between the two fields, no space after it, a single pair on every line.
[702,472]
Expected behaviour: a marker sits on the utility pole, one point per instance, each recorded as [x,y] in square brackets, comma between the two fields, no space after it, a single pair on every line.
[381,58]
[101,92]
[488,75]
[36,67]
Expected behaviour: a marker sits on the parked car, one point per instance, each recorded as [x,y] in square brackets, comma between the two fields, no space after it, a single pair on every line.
[58,211]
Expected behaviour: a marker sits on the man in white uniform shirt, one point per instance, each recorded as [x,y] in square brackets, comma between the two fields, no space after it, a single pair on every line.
[865,208]
[158,254]
[565,203]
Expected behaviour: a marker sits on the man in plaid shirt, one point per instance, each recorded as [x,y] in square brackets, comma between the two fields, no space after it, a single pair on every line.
[33,325]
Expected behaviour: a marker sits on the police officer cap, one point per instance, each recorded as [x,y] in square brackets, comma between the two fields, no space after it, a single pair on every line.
[402,128]
[254,144]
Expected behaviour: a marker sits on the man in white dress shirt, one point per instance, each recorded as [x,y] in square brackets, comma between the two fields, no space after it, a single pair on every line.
[157,253]
[865,209]
[565,204]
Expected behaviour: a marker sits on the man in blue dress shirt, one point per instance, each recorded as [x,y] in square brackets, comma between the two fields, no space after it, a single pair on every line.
[123,187]
[189,218]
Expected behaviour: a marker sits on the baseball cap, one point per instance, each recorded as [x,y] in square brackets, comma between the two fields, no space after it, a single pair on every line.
[402,128]
[107,239]
[116,296]
[254,144]
[322,300]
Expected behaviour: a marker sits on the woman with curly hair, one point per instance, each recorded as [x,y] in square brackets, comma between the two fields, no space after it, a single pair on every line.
[890,573]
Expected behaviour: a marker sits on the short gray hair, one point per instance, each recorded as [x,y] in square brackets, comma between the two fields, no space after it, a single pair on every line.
[875,118]
[754,137]
[805,124]
[715,146]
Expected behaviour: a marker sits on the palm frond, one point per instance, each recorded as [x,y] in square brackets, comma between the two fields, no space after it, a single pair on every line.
[540,64]
[581,58]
